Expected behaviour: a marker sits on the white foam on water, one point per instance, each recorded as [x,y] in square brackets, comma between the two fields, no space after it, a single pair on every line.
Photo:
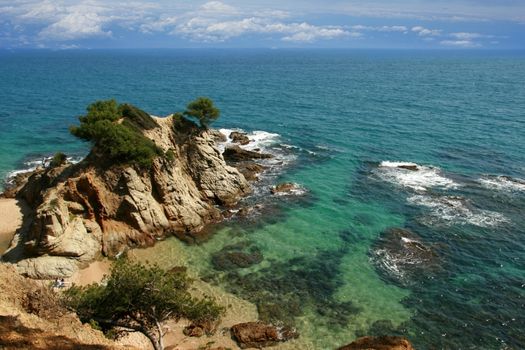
[297,190]
[456,210]
[32,165]
[389,263]
[503,183]
[413,176]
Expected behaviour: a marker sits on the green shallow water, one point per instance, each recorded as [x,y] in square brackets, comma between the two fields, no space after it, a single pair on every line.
[338,115]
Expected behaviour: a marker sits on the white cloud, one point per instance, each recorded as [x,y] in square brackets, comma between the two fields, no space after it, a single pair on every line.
[460,43]
[360,27]
[422,31]
[76,25]
[206,29]
[469,36]
[217,7]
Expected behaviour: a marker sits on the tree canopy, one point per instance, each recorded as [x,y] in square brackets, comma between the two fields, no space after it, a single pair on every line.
[203,110]
[121,142]
[137,297]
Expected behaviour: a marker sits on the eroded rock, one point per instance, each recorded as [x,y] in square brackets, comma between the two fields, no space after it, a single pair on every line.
[258,334]
[239,137]
[238,154]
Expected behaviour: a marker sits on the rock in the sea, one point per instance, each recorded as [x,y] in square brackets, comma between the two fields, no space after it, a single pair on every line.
[409,167]
[239,137]
[284,187]
[379,343]
[238,255]
[258,334]
[250,170]
[401,253]
[238,154]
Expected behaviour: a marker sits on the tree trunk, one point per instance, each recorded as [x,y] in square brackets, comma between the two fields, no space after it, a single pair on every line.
[161,341]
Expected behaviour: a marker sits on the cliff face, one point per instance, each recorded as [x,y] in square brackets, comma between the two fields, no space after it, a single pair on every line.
[82,210]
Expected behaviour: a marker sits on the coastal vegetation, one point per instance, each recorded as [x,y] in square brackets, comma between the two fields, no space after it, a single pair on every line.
[115,133]
[203,110]
[139,298]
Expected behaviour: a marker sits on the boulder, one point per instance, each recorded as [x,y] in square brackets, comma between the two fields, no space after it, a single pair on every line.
[218,136]
[408,167]
[283,187]
[250,170]
[239,137]
[258,334]
[238,154]
[47,267]
[379,343]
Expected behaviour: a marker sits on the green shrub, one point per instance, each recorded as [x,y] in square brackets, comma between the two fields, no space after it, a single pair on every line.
[121,143]
[137,297]
[58,159]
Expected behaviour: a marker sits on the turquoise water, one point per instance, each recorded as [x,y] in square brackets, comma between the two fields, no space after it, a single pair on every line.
[339,114]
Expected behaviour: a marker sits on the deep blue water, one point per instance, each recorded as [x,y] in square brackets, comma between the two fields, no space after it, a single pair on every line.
[460,116]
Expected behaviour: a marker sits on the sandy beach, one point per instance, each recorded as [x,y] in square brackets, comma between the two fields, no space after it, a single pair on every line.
[10,221]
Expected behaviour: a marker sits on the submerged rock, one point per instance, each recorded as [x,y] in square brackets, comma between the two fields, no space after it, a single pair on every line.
[379,343]
[239,137]
[258,334]
[400,253]
[238,255]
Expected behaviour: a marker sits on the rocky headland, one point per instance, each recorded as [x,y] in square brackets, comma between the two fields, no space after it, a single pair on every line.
[77,212]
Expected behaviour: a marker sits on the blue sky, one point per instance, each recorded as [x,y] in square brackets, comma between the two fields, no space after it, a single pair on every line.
[432,24]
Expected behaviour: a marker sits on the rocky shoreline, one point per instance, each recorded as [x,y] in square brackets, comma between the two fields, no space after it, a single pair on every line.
[78,212]
[73,214]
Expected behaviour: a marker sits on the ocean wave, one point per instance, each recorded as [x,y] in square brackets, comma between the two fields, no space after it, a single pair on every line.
[455,210]
[33,164]
[503,183]
[414,176]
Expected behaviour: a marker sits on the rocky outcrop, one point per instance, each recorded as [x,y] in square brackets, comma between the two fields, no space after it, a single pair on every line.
[82,210]
[239,137]
[258,334]
[238,154]
[379,343]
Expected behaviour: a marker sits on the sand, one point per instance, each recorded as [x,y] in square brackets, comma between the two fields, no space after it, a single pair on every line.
[10,221]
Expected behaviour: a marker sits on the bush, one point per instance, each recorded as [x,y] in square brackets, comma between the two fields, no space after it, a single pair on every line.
[203,110]
[119,142]
[58,159]
[137,297]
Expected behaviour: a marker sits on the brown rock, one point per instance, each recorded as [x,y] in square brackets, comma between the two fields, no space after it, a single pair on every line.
[284,187]
[258,334]
[239,137]
[193,331]
[250,170]
[409,167]
[237,154]
[379,343]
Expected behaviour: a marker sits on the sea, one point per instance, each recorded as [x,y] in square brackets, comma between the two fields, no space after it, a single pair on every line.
[409,213]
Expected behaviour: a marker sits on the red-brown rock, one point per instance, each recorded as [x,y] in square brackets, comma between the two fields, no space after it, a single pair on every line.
[258,334]
[379,343]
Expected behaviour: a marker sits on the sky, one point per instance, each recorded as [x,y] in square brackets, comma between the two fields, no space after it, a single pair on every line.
[413,24]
